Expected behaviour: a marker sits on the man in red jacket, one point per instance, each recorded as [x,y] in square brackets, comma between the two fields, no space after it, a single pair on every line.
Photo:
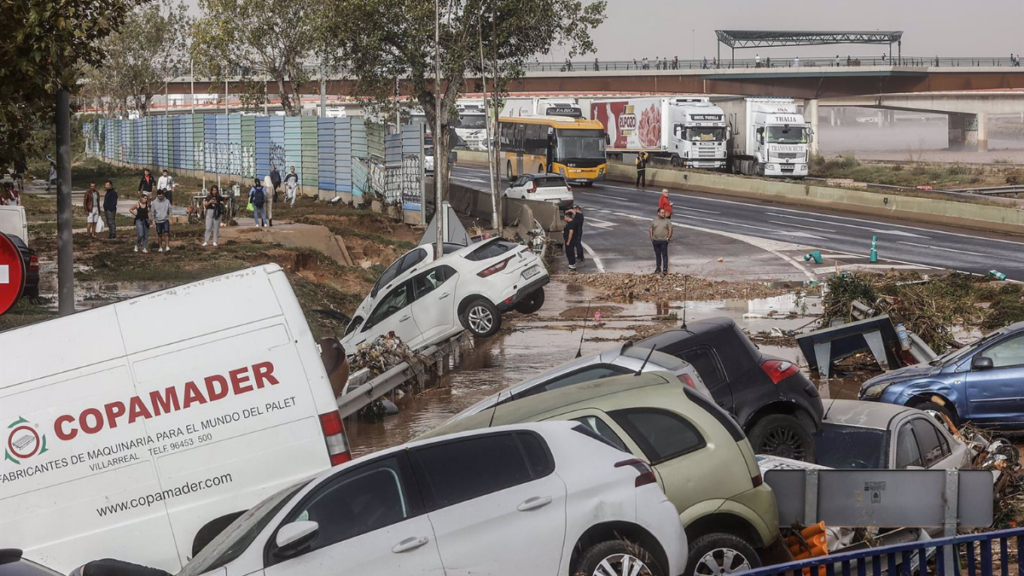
[664,203]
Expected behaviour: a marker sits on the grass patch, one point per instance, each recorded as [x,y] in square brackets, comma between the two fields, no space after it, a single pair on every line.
[956,175]
[26,312]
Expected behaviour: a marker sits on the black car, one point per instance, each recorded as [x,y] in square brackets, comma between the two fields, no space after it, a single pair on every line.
[777,406]
[12,564]
[31,261]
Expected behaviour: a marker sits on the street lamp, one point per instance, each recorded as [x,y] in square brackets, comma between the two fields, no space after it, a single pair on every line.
[438,210]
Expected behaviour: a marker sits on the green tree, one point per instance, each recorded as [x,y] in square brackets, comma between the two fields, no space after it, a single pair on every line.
[47,44]
[381,40]
[259,39]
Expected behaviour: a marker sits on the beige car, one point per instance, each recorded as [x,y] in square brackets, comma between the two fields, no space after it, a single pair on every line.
[702,459]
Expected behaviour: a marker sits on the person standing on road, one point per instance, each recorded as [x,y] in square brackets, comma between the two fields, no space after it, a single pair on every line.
[166,183]
[110,209]
[214,204]
[641,170]
[275,179]
[661,235]
[577,220]
[141,213]
[569,236]
[268,185]
[258,198]
[147,183]
[91,203]
[51,178]
[664,204]
[162,217]
[291,186]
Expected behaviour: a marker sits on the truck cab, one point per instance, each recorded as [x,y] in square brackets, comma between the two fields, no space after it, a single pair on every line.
[782,144]
[699,134]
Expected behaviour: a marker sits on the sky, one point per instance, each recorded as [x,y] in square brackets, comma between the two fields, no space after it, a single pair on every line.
[667,28]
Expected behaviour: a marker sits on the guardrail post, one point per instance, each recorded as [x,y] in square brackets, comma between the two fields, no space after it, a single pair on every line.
[811,498]
[949,524]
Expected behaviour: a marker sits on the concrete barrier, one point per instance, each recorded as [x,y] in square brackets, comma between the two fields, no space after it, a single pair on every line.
[477,203]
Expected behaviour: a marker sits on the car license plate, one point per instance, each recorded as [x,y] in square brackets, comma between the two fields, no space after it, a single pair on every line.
[531,272]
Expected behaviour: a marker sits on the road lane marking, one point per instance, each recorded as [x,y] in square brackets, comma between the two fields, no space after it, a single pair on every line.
[593,256]
[802,235]
[801,226]
[943,249]
[875,230]
[598,223]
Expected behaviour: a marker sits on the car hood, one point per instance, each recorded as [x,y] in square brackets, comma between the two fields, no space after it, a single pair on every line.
[904,374]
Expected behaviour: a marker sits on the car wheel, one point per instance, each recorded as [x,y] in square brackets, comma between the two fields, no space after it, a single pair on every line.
[617,558]
[532,302]
[481,318]
[936,407]
[782,435]
[718,554]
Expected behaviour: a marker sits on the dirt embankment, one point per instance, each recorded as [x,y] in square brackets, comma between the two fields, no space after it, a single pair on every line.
[625,287]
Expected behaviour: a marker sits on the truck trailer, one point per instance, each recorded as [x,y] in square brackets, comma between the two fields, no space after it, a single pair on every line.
[682,130]
[769,137]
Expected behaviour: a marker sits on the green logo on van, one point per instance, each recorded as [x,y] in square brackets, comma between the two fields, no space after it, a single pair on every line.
[23,441]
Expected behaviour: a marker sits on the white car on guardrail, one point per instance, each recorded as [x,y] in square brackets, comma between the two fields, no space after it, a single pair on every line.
[543,188]
[426,301]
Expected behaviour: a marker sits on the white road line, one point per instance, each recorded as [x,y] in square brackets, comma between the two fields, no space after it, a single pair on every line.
[827,269]
[801,226]
[802,235]
[943,249]
[868,228]
[762,229]
[598,223]
[593,256]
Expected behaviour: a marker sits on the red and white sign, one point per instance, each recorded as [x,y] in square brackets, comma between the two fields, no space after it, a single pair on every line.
[12,274]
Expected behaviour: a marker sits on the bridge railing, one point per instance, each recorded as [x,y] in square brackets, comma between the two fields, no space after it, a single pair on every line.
[987,554]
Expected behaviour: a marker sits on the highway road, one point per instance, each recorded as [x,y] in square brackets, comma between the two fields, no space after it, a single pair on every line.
[617,216]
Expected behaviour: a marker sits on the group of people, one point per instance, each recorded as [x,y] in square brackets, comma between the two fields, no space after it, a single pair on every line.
[265,192]
[1014,60]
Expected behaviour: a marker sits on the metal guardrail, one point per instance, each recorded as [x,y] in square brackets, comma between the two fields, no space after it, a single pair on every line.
[973,552]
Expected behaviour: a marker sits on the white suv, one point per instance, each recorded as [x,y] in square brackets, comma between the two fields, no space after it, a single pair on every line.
[425,301]
[547,498]
[542,187]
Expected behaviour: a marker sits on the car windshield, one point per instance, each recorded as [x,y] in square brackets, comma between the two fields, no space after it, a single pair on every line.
[954,356]
[240,534]
[843,447]
[787,135]
[705,134]
[580,144]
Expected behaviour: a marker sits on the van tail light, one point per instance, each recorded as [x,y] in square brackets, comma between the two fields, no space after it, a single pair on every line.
[33,262]
[494,269]
[533,188]
[646,475]
[779,370]
[686,380]
[334,435]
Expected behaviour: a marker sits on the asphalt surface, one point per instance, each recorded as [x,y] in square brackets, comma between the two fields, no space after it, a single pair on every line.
[618,215]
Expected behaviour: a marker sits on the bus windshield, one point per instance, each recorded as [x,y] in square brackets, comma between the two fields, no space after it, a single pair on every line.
[705,134]
[472,122]
[580,144]
[787,135]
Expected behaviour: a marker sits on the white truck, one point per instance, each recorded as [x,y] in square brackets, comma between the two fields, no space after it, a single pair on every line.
[139,430]
[769,137]
[682,130]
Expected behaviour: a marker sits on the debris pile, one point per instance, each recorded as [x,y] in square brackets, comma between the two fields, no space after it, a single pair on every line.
[382,354]
[1003,457]
[672,287]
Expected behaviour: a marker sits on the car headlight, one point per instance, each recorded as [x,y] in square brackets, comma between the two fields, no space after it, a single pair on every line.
[803,166]
[769,166]
[875,391]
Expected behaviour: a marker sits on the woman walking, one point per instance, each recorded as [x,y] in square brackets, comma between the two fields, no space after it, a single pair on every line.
[141,213]
[214,211]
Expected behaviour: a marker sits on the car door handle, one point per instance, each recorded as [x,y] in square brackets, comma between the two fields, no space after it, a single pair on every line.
[404,318]
[534,503]
[445,295]
[410,544]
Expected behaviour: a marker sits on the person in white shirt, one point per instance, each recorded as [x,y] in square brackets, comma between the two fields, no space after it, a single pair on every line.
[165,183]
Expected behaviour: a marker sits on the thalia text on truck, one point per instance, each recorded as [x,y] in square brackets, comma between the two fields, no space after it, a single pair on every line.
[139,430]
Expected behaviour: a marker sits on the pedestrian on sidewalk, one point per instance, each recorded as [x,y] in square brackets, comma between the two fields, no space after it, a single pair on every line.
[577,220]
[141,213]
[146,183]
[51,179]
[268,185]
[661,235]
[641,170]
[110,209]
[20,170]
[166,183]
[291,186]
[214,211]
[664,204]
[275,179]
[569,236]
[91,203]
[162,217]
[258,198]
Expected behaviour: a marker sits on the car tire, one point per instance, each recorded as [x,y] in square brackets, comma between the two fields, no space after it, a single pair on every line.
[935,407]
[615,553]
[719,553]
[532,302]
[782,435]
[481,318]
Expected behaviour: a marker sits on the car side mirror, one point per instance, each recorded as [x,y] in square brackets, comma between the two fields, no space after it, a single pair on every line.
[981,363]
[294,536]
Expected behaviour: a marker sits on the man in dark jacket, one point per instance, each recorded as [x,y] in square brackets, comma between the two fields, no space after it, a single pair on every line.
[110,209]
[275,179]
[569,236]
[147,183]
[577,221]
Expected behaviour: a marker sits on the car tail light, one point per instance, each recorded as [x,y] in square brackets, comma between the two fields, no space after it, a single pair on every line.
[494,269]
[33,262]
[757,480]
[533,188]
[334,435]
[646,475]
[779,370]
[687,381]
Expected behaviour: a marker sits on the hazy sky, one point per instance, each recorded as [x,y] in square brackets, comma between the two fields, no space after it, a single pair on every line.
[637,28]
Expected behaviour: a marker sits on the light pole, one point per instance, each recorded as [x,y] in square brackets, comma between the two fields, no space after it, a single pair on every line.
[65,250]
[439,168]
[693,44]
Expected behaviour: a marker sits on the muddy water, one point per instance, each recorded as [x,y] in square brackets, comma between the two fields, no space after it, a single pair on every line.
[531,345]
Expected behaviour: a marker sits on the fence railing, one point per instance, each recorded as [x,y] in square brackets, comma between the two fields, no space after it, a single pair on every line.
[969,555]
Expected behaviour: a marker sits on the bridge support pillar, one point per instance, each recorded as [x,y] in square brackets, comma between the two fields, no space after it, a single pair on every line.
[811,114]
[968,131]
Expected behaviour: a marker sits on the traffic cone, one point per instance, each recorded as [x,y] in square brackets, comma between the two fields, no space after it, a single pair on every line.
[816,255]
[874,249]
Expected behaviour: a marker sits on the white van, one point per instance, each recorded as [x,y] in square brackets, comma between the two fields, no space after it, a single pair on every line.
[13,221]
[138,430]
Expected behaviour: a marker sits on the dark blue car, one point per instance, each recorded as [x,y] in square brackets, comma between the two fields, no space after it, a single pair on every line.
[982,382]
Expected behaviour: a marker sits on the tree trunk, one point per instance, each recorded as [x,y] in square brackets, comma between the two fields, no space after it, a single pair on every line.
[286,100]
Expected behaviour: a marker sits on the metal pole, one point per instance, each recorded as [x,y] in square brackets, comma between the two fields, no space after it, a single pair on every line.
[65,247]
[439,214]
[487,132]
[192,83]
[226,98]
[398,112]
[167,100]
[323,93]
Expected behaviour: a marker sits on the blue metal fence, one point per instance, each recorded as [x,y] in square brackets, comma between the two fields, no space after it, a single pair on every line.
[972,555]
